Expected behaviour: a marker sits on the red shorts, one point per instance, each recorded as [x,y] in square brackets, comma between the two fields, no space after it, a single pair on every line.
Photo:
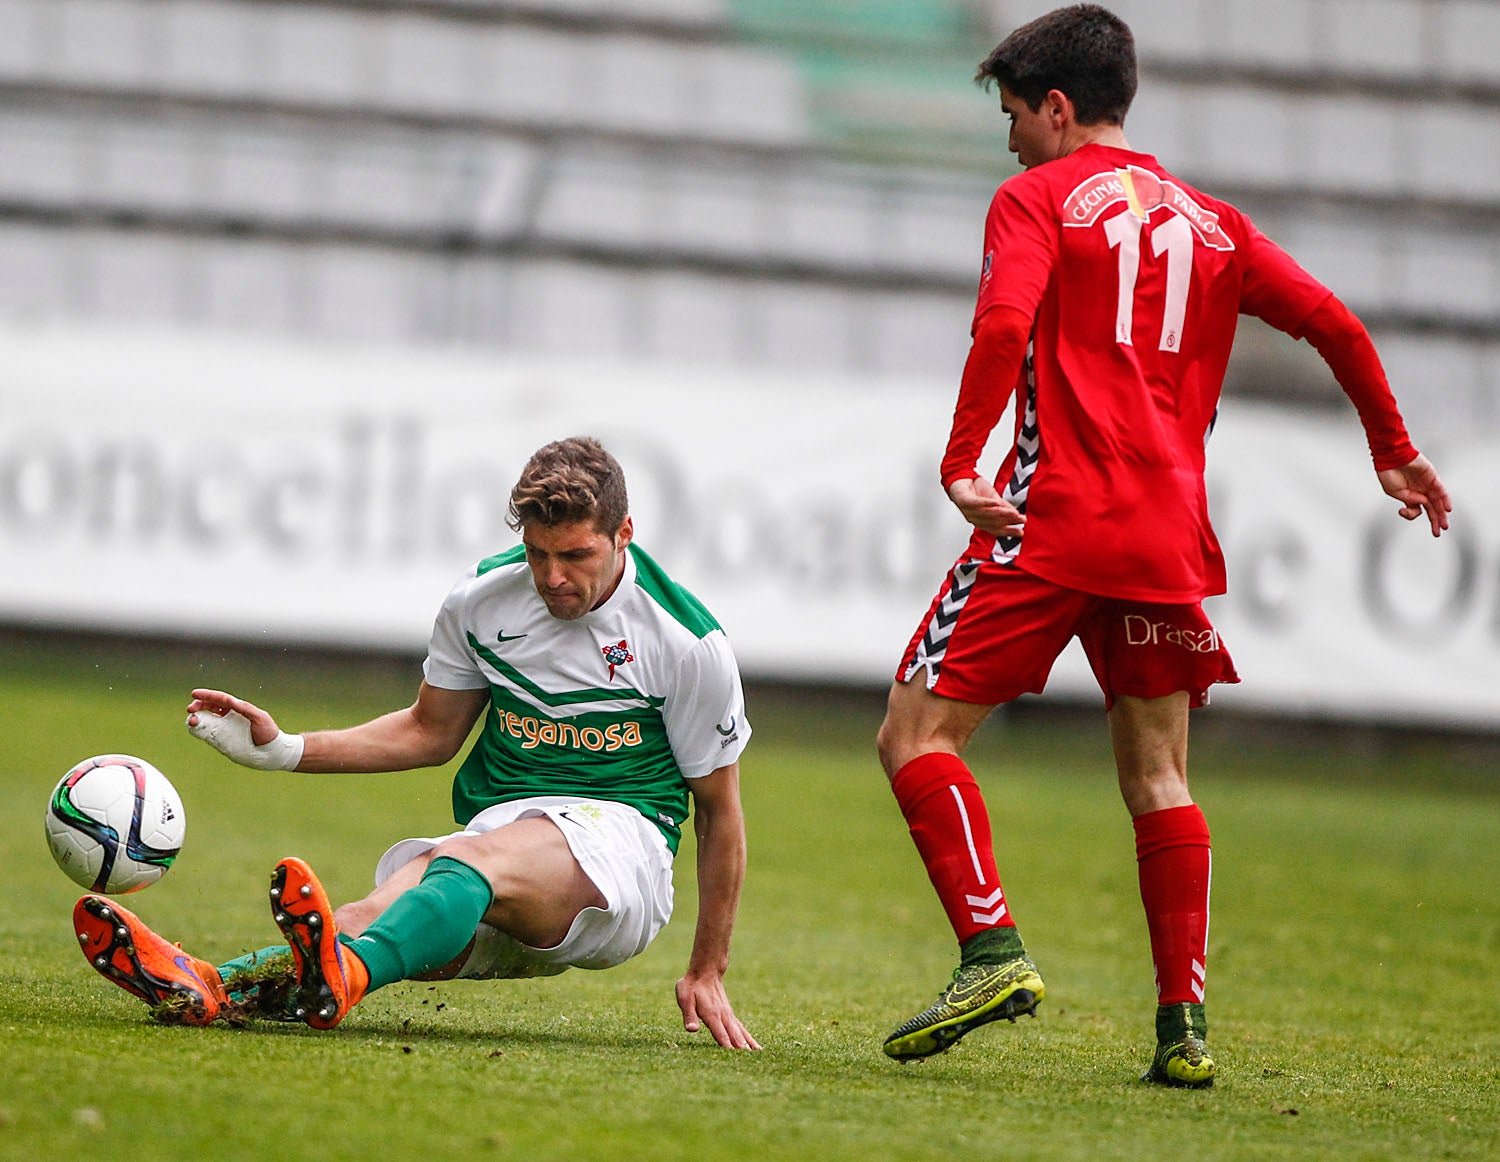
[993,633]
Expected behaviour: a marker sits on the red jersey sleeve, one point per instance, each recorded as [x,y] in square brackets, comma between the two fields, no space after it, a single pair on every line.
[991,375]
[1020,247]
[1290,299]
[1344,344]
[1276,288]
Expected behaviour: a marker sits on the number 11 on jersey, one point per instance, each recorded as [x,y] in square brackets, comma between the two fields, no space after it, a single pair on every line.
[1174,238]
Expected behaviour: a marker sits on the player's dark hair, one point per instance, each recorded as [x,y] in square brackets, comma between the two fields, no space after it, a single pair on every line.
[567,481]
[1083,51]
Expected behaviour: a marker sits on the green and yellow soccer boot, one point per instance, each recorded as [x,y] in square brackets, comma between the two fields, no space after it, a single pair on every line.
[979,994]
[1181,1051]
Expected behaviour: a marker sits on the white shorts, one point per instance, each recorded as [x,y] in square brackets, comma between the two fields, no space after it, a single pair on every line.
[623,853]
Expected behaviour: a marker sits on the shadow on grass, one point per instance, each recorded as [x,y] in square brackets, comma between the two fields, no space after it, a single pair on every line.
[404,1032]
[501,1036]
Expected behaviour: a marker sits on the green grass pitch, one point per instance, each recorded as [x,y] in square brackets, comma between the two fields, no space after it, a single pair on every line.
[1354,952]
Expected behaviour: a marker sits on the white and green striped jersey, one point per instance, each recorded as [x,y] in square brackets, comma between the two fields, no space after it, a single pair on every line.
[623,703]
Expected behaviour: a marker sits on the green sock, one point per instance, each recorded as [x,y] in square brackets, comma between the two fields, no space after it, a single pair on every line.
[427,926]
[1176,1023]
[243,973]
[991,946]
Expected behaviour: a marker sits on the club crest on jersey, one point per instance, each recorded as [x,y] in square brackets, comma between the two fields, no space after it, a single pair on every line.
[617,655]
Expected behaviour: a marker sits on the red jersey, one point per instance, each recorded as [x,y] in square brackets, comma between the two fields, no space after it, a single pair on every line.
[1134,283]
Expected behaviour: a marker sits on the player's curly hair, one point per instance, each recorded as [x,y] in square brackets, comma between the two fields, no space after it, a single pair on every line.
[1084,51]
[570,480]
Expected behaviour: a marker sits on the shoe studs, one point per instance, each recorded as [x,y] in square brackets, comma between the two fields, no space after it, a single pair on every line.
[275,893]
[305,891]
[83,938]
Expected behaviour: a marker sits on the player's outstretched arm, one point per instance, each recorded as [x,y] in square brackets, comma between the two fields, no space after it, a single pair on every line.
[1417,486]
[1405,474]
[719,823]
[426,733]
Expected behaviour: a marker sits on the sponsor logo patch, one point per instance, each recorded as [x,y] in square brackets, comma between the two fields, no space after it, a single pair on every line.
[535,732]
[1144,193]
[1142,631]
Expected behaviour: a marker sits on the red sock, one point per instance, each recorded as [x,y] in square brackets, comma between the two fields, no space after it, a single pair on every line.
[951,828]
[1175,862]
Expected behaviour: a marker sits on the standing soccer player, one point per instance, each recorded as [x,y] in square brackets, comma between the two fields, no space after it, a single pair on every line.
[610,698]
[1108,300]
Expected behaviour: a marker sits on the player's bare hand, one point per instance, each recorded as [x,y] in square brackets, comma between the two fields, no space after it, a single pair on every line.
[983,508]
[1420,491]
[703,1001]
[263,727]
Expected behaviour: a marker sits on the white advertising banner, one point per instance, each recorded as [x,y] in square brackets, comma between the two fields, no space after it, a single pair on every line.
[272,493]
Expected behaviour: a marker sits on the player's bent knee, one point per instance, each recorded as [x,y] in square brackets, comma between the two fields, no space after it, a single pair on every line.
[892,745]
[918,722]
[353,918]
[470,849]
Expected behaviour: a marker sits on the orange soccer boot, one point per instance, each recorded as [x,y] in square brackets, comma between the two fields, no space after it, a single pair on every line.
[331,979]
[181,989]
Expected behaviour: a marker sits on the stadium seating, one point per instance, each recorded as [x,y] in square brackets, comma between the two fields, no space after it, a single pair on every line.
[748,182]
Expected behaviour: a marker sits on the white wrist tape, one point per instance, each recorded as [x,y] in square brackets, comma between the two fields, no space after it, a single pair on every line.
[229,734]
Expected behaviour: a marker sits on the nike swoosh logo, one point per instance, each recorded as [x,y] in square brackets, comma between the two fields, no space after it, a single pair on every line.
[959,996]
[507,637]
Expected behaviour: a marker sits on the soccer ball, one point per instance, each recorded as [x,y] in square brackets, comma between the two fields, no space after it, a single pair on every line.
[115,823]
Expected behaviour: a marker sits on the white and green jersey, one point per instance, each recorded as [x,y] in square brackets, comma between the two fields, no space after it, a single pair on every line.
[623,703]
